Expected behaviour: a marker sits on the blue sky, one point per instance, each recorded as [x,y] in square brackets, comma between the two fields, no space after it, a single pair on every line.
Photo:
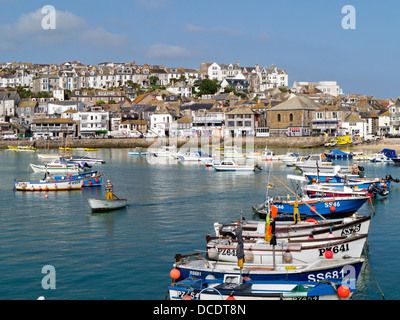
[304,37]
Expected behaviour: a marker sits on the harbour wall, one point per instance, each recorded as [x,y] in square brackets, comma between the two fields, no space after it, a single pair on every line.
[257,142]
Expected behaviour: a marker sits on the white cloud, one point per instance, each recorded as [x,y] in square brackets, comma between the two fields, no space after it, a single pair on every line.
[164,51]
[69,28]
[193,28]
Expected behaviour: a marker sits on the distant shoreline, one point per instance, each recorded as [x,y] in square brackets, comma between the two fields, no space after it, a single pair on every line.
[258,143]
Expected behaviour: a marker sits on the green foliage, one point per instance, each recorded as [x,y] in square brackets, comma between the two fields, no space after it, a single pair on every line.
[207,86]
[100,102]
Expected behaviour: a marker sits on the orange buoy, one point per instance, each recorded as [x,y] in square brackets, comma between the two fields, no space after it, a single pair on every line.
[175,274]
[231,298]
[274,211]
[313,209]
[332,208]
[343,291]
[186,297]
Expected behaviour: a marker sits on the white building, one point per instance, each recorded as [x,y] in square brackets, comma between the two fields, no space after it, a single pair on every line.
[328,87]
[355,126]
[93,122]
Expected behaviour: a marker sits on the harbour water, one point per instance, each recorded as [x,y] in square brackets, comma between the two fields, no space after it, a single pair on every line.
[128,254]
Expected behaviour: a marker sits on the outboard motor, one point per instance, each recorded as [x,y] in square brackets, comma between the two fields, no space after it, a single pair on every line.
[390,178]
[374,190]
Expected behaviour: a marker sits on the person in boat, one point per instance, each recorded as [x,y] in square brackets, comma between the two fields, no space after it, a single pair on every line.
[109,190]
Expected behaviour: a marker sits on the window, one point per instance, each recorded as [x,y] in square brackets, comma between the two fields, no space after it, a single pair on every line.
[239,123]
[291,117]
[279,117]
[231,123]
[247,123]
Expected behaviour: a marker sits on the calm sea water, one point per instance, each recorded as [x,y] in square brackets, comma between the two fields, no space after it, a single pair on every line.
[128,254]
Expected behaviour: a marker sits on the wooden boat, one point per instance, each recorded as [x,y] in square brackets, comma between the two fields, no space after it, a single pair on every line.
[301,230]
[235,287]
[47,185]
[231,165]
[106,205]
[305,251]
[22,148]
[198,266]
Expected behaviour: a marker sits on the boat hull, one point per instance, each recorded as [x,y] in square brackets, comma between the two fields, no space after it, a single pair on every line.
[313,208]
[318,270]
[101,205]
[47,186]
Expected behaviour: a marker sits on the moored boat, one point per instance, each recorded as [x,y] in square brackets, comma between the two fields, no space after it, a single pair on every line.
[328,207]
[22,148]
[235,287]
[47,185]
[87,179]
[231,165]
[60,165]
[198,266]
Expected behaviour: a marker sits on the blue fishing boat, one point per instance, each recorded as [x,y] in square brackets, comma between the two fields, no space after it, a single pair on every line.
[236,287]
[88,179]
[338,154]
[328,207]
[199,267]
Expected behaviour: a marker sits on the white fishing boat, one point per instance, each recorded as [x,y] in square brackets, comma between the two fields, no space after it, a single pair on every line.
[306,251]
[49,156]
[318,162]
[48,185]
[231,165]
[107,205]
[302,230]
[59,166]
[266,154]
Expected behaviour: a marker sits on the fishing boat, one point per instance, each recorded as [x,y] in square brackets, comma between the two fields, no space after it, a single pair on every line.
[22,148]
[328,207]
[51,156]
[336,176]
[338,154]
[231,165]
[137,152]
[87,179]
[314,161]
[47,185]
[99,205]
[60,166]
[306,251]
[252,230]
[198,266]
[194,156]
[236,287]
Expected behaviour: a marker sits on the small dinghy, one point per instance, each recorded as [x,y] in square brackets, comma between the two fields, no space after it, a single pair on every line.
[99,205]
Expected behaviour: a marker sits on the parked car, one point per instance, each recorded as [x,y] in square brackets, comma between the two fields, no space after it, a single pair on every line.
[10,137]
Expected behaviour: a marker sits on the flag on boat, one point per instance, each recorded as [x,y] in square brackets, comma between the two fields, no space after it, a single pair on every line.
[240,247]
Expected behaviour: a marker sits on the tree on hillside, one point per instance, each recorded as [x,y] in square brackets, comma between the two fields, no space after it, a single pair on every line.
[207,86]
